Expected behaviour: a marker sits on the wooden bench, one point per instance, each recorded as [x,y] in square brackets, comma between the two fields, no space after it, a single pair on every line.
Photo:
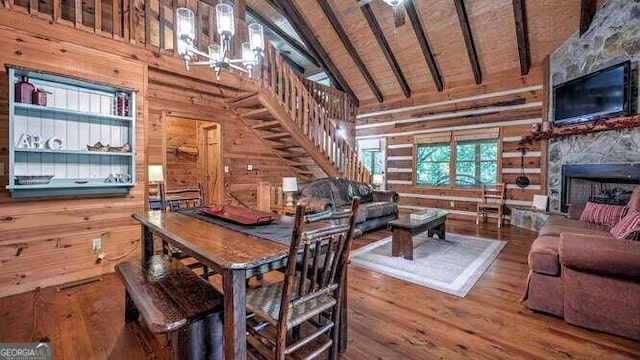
[175,301]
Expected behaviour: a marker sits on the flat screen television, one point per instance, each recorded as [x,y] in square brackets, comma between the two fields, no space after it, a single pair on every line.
[599,95]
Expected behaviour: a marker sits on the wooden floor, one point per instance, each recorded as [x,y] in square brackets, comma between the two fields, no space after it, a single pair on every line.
[389,319]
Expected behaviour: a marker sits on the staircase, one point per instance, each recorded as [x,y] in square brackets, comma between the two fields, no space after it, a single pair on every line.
[297,119]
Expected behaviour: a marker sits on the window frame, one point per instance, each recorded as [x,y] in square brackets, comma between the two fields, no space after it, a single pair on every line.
[453,144]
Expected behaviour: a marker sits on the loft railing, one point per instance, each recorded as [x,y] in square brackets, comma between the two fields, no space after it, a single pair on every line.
[336,103]
[315,112]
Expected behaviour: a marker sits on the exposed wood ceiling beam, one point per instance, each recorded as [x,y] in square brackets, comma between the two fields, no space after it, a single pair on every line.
[468,40]
[386,49]
[281,33]
[424,44]
[290,10]
[587,11]
[335,23]
[522,34]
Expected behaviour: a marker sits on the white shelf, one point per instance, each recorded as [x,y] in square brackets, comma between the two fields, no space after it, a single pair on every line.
[73,152]
[55,110]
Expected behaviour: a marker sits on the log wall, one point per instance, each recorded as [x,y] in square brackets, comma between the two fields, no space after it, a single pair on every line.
[513,106]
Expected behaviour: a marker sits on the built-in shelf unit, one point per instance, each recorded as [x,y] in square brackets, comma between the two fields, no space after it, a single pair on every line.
[57,141]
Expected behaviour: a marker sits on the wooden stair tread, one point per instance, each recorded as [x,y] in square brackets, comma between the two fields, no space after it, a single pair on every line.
[257,114]
[279,135]
[267,125]
[246,101]
[286,146]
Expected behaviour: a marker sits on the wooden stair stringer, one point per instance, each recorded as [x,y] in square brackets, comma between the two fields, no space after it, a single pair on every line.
[257,133]
[279,113]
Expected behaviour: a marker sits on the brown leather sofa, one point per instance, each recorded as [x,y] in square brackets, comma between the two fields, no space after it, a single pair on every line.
[580,272]
[377,207]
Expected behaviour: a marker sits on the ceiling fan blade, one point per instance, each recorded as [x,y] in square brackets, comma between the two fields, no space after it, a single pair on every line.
[355,6]
[398,15]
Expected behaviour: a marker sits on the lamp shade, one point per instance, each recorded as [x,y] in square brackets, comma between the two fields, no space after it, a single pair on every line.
[156,174]
[256,36]
[214,52]
[224,19]
[185,29]
[289,184]
[247,55]
[376,179]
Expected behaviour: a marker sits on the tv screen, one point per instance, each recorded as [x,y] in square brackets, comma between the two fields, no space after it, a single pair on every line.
[599,95]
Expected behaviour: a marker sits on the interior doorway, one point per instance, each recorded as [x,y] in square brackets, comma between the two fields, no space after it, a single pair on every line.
[194,156]
[212,167]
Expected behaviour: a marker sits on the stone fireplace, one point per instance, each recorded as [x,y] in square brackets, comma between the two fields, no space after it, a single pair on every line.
[602,183]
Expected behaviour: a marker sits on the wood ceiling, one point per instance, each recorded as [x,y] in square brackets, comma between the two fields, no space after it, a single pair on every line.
[443,44]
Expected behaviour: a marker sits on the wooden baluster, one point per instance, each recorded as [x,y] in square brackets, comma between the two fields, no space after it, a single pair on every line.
[97,16]
[133,31]
[78,10]
[161,25]
[147,23]
[55,11]
[116,13]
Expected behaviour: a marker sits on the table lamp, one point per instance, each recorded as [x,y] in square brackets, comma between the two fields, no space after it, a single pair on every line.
[376,180]
[156,176]
[289,186]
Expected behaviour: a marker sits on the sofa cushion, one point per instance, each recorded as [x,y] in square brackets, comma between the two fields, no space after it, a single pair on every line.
[543,256]
[628,227]
[379,209]
[603,214]
[574,226]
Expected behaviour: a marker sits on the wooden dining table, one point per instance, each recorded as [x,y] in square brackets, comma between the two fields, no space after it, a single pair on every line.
[234,255]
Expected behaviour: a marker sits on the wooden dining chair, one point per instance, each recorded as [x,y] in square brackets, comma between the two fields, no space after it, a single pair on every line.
[492,202]
[177,199]
[310,296]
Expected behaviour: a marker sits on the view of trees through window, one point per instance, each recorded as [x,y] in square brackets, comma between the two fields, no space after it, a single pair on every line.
[372,160]
[476,163]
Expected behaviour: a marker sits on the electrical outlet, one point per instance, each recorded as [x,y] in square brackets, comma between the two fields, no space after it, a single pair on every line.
[96,244]
[452,204]
[226,169]
[249,167]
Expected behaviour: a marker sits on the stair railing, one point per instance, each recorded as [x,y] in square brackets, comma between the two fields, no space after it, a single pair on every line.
[315,109]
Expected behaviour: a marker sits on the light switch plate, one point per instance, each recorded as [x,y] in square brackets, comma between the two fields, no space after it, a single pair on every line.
[249,167]
[226,169]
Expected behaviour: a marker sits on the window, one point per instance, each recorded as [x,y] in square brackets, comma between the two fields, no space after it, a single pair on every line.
[433,164]
[476,163]
[459,159]
[372,160]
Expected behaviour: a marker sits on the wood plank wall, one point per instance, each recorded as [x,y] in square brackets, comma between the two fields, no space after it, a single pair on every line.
[45,242]
[513,106]
[172,94]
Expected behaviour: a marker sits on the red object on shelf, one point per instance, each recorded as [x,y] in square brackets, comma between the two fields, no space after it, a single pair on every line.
[239,215]
[24,91]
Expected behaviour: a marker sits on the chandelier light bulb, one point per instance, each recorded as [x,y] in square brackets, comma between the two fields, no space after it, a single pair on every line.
[224,19]
[185,30]
[256,36]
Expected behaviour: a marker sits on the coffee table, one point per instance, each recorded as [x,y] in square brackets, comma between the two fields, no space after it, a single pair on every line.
[403,231]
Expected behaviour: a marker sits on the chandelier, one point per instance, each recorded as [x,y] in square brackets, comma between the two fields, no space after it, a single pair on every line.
[216,55]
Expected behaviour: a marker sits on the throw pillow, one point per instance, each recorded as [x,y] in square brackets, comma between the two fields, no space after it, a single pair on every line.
[628,227]
[602,214]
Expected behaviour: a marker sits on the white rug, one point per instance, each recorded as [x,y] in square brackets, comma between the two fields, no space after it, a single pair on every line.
[452,265]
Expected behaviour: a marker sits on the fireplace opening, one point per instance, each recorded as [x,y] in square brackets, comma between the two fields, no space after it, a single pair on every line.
[601,183]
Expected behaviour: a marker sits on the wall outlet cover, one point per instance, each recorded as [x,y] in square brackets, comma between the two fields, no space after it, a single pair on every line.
[249,167]
[226,169]
[96,244]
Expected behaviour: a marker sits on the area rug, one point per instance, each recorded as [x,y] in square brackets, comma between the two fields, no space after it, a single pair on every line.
[453,265]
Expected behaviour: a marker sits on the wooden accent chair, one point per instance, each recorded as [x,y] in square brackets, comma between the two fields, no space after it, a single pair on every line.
[310,294]
[492,202]
[179,199]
